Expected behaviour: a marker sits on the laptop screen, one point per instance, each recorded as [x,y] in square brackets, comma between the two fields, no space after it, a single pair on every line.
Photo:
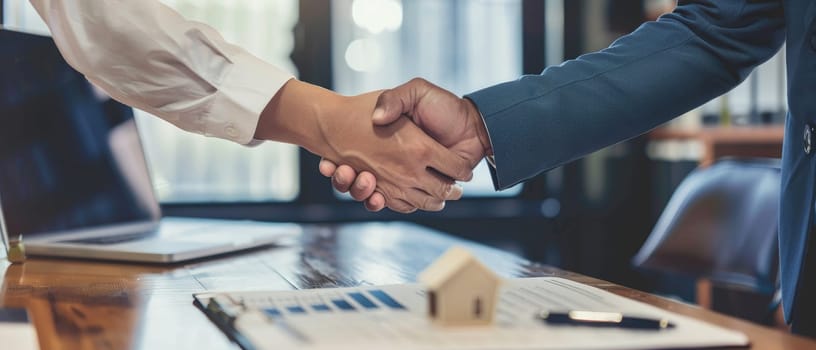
[70,157]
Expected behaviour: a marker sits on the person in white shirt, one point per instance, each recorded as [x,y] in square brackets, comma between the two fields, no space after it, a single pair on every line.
[146,55]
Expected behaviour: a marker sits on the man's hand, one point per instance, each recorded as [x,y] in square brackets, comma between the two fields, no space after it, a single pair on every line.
[361,188]
[454,122]
[412,170]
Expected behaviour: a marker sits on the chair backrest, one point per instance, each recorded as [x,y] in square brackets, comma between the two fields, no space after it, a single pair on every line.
[721,224]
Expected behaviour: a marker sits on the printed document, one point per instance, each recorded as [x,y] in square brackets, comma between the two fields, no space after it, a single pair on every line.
[395,317]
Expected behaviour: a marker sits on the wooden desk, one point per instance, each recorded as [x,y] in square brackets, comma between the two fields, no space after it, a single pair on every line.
[92,305]
[734,141]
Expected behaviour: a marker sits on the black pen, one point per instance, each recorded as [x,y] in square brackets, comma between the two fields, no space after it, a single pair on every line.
[603,319]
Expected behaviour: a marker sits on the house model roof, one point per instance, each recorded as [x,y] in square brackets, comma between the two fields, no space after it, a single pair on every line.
[448,265]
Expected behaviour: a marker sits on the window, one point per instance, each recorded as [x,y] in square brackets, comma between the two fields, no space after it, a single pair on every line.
[19,14]
[460,45]
[191,168]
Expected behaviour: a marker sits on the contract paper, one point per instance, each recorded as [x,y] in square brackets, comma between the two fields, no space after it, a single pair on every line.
[16,331]
[395,317]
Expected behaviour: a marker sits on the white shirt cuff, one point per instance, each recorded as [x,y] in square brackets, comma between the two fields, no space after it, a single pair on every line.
[491,159]
[242,96]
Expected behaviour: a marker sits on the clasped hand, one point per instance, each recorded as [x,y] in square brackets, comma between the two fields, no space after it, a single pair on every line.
[453,122]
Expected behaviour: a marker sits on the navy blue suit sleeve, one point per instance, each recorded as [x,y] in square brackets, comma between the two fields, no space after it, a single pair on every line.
[662,70]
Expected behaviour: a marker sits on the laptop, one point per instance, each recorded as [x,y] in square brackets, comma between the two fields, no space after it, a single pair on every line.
[73,176]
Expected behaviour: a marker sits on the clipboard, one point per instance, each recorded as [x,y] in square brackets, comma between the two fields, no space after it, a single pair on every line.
[395,317]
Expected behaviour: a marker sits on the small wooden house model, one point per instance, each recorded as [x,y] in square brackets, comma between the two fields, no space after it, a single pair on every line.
[461,291]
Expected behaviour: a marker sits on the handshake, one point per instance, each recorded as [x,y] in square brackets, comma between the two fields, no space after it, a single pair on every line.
[403,148]
[422,171]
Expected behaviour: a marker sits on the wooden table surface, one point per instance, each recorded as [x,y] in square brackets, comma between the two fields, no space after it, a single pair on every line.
[729,141]
[95,305]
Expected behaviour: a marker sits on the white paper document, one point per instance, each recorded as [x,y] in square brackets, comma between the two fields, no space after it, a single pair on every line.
[16,330]
[395,317]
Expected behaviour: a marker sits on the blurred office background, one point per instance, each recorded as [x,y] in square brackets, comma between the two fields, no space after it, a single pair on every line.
[590,216]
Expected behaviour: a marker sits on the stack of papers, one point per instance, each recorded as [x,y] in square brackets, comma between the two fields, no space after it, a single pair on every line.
[395,317]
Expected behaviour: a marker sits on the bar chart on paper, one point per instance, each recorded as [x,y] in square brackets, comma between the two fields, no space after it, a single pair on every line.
[339,302]
[396,316]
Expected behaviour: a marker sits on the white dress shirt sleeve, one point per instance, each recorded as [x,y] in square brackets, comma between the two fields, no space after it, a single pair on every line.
[148,56]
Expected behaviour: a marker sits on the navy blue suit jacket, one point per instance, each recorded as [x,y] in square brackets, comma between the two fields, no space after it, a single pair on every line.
[663,69]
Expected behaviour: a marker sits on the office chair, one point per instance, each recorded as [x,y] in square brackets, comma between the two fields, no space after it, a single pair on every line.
[720,227]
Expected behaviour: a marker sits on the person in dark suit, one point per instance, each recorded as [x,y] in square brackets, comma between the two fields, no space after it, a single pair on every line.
[661,70]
